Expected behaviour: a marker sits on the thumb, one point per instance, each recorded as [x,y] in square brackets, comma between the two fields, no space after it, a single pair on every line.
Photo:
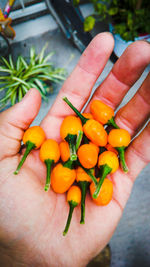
[15,120]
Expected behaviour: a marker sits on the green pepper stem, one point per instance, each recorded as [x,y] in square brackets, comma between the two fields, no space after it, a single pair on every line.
[72,205]
[90,173]
[29,147]
[48,163]
[105,170]
[84,187]
[121,151]
[79,139]
[71,140]
[69,164]
[82,118]
[112,123]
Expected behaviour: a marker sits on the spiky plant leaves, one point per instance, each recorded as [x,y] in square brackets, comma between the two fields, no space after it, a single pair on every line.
[17,78]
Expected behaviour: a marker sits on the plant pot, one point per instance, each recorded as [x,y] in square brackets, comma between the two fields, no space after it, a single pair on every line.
[121,44]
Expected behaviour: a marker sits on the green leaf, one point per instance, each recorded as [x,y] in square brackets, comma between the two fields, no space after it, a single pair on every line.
[4,78]
[9,86]
[13,98]
[33,85]
[120,28]
[56,76]
[7,96]
[20,94]
[100,9]
[25,90]
[41,55]
[11,62]
[32,56]
[48,57]
[113,11]
[24,62]
[42,66]
[18,63]
[40,85]
[89,23]
[2,69]
[130,20]
[76,2]
[21,81]
[6,63]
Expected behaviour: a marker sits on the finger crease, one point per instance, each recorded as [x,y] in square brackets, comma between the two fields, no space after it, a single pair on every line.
[145,100]
[9,137]
[74,93]
[118,203]
[91,73]
[18,127]
[117,78]
[123,121]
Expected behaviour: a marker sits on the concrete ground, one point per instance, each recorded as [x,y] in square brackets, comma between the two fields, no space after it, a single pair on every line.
[130,245]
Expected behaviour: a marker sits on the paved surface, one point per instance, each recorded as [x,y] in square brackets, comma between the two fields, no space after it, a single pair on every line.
[130,245]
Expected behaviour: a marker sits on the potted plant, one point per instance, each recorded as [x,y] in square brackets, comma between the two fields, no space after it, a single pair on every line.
[16,78]
[129,20]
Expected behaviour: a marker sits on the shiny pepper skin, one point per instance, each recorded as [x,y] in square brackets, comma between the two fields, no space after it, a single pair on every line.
[95,132]
[62,178]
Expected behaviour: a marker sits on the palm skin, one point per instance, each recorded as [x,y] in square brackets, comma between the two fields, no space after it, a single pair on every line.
[32,220]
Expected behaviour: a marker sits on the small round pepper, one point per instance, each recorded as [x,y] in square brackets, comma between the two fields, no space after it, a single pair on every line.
[120,139]
[33,138]
[74,199]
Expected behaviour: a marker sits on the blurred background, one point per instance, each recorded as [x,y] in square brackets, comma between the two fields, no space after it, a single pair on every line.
[64,29]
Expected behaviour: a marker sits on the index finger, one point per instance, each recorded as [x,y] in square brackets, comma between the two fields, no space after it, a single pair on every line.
[79,84]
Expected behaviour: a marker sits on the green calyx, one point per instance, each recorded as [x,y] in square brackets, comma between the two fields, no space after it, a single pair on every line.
[121,151]
[89,172]
[112,123]
[72,205]
[48,163]
[29,147]
[71,140]
[104,171]
[69,164]
[82,118]
[84,187]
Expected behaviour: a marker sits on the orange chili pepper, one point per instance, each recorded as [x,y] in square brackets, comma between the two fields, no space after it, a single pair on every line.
[103,113]
[49,154]
[70,131]
[82,175]
[108,163]
[74,199]
[84,181]
[105,194]
[97,148]
[92,128]
[111,148]
[88,115]
[120,138]
[88,155]
[33,138]
[62,177]
[64,151]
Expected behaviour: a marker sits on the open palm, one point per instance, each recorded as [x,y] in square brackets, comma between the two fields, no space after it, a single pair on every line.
[32,220]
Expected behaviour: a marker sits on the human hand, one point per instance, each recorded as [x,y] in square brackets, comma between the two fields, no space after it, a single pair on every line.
[32,220]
